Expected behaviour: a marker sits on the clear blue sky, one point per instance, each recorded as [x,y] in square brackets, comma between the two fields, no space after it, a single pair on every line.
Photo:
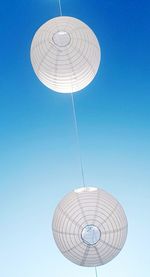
[38,157]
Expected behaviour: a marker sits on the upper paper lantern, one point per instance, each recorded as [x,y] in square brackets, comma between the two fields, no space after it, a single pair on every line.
[65,54]
[89,227]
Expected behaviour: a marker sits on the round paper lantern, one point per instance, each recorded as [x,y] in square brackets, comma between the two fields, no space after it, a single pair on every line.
[89,227]
[65,54]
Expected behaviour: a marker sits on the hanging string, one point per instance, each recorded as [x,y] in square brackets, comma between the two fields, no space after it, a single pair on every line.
[77,138]
[75,122]
[60,8]
[96,274]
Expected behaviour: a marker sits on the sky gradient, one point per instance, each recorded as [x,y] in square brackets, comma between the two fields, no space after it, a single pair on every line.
[38,154]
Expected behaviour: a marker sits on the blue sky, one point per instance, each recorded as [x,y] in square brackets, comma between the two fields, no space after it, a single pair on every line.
[38,155]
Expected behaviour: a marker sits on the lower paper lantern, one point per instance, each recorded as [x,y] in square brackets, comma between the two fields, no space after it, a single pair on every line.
[89,227]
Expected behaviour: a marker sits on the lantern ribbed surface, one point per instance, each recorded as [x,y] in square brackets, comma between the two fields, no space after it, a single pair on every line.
[65,54]
[89,227]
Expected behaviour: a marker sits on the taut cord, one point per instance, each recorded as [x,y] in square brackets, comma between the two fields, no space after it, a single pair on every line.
[77,138]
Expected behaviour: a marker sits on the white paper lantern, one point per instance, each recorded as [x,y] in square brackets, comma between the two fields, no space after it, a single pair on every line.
[89,227]
[65,54]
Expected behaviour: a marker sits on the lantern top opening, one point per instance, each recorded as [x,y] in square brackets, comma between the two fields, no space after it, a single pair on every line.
[89,189]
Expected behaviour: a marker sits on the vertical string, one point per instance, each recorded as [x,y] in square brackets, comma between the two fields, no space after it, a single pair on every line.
[77,139]
[75,122]
[96,274]
[60,8]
